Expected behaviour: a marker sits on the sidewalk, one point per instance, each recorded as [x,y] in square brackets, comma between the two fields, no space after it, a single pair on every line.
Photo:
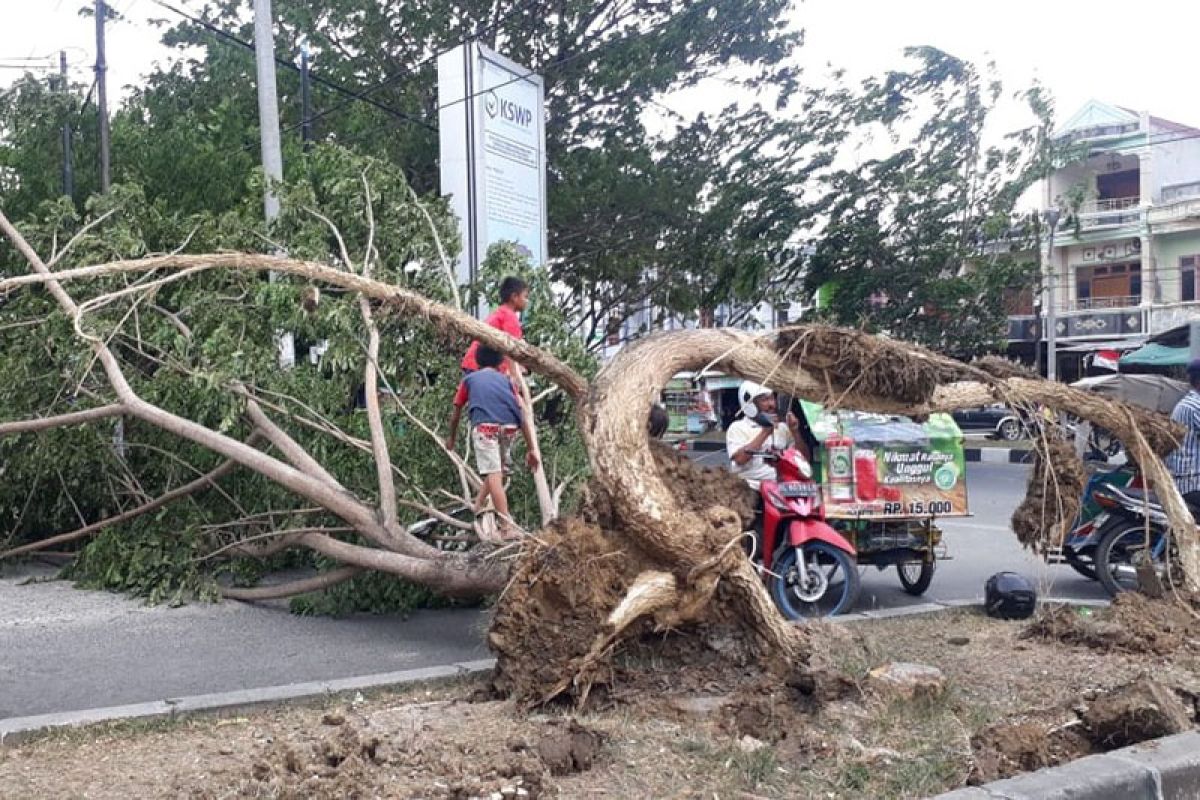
[65,649]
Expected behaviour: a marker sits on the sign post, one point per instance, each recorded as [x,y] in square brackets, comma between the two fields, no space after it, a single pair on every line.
[492,137]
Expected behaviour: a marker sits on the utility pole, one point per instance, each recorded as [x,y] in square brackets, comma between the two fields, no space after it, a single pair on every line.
[268,105]
[68,173]
[305,99]
[102,94]
[1051,215]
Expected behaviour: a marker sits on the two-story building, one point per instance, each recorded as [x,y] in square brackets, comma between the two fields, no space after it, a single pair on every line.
[1126,251]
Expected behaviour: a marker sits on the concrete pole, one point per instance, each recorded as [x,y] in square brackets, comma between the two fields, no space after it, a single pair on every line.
[268,104]
[1051,216]
[68,170]
[102,94]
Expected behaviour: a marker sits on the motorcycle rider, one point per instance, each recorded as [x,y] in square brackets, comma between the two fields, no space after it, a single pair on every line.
[1184,463]
[759,429]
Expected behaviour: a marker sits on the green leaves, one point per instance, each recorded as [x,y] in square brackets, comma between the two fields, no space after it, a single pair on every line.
[922,243]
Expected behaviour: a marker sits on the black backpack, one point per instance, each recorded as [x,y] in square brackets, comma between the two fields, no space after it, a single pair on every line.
[1008,595]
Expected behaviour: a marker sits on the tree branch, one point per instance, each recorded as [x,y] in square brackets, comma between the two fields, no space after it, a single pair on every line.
[285,444]
[205,480]
[442,317]
[292,588]
[61,420]
[319,491]
[463,575]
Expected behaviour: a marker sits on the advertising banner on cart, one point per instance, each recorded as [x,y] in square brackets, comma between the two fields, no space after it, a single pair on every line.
[875,466]
[492,141]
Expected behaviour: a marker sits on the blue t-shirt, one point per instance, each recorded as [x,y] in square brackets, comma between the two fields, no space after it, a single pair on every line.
[489,397]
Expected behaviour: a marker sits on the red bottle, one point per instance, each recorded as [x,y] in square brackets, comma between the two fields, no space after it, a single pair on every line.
[866,475]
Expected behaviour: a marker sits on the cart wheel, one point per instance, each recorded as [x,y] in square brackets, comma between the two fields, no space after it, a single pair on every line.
[915,576]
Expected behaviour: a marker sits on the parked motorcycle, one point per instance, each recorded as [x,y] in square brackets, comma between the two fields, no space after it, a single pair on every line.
[809,567]
[1079,546]
[1132,538]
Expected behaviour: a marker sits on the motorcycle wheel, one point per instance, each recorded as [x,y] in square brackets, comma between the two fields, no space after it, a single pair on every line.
[826,583]
[1122,548]
[915,576]
[1083,563]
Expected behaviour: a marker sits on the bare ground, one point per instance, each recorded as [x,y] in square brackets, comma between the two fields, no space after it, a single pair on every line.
[716,729]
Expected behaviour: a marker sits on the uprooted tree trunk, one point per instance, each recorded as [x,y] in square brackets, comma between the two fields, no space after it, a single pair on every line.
[650,548]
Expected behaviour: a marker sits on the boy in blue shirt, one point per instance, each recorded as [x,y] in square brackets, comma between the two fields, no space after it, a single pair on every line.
[495,413]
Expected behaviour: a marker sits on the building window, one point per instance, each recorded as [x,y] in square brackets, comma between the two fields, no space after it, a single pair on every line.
[1187,278]
[1108,285]
[781,316]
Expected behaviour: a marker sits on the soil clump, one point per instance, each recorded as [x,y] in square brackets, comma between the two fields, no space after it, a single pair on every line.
[1052,496]
[1133,623]
[1135,712]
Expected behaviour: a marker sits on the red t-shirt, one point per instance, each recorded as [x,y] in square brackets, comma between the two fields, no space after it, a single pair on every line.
[503,319]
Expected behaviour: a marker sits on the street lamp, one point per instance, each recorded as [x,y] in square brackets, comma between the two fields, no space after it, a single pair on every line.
[1051,216]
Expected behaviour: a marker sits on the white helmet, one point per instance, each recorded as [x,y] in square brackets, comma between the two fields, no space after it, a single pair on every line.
[747,393]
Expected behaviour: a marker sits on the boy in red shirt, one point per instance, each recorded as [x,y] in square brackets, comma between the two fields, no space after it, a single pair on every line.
[514,297]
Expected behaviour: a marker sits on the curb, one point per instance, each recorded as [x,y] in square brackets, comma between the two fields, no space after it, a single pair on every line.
[934,606]
[18,729]
[998,455]
[1160,769]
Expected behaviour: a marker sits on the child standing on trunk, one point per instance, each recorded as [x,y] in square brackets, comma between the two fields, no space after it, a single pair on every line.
[496,416]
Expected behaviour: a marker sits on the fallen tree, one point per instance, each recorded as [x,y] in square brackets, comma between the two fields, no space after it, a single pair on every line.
[644,551]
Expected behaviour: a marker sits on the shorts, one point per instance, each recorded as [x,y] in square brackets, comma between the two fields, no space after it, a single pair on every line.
[493,447]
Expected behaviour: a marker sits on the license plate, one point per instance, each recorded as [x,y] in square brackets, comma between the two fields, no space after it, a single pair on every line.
[797,489]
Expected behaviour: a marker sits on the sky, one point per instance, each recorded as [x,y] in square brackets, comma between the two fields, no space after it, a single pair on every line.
[1141,55]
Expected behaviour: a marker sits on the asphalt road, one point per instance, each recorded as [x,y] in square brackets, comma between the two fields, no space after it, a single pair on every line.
[63,649]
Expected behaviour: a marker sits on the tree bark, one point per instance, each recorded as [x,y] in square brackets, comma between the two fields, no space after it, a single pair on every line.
[314,584]
[61,420]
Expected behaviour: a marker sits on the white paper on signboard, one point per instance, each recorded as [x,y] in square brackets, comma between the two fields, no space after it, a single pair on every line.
[493,157]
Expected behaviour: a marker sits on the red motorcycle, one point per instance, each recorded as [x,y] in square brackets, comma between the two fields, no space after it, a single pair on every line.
[810,568]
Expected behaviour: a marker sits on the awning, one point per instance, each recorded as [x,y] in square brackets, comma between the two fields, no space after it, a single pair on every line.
[1113,344]
[1156,355]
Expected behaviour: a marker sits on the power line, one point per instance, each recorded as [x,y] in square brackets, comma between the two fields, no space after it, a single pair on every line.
[387,81]
[558,62]
[230,38]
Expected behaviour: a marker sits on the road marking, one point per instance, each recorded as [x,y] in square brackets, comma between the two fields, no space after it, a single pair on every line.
[950,524]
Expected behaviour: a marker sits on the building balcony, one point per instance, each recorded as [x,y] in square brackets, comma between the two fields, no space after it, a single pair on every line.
[1108,213]
[1094,303]
[1176,210]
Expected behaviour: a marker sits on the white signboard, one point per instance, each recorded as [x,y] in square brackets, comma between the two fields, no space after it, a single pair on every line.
[492,136]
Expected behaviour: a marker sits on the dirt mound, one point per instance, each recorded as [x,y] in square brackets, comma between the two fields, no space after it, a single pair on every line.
[568,581]
[1133,623]
[1024,744]
[700,487]
[1052,497]
[571,748]
[1135,712]
[560,594]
